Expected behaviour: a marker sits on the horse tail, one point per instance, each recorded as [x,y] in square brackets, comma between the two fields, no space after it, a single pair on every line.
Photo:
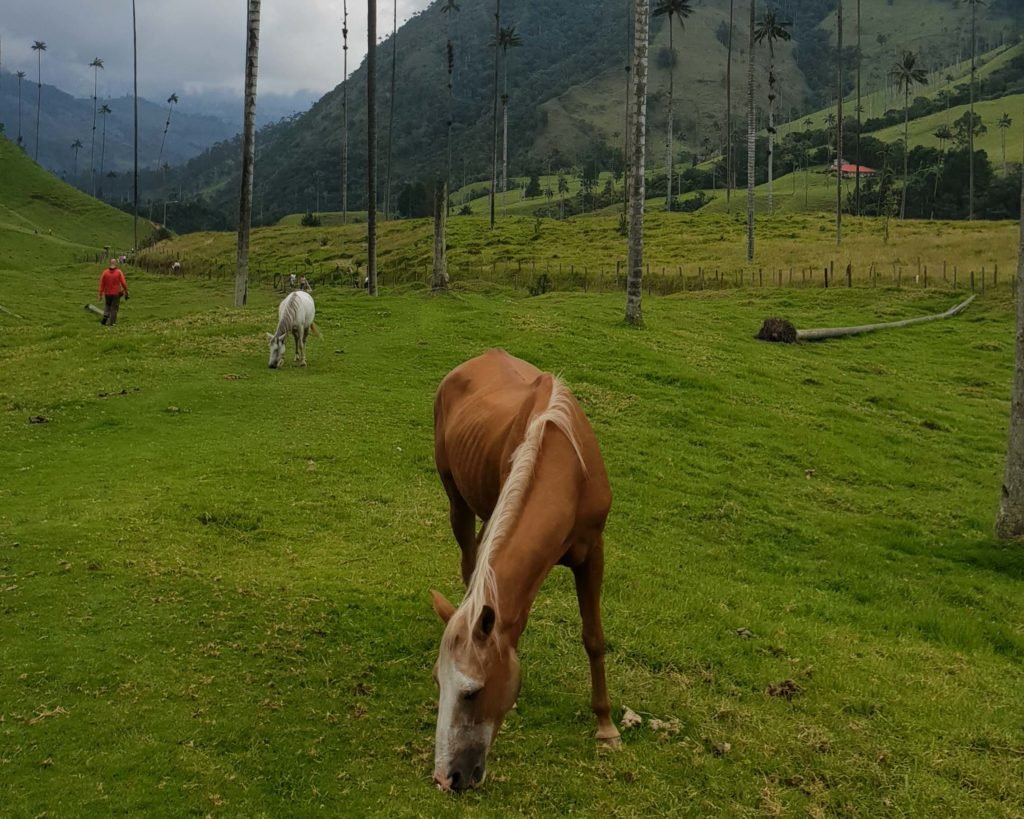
[315,330]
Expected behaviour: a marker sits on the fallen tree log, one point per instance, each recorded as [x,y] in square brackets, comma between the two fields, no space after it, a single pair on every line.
[10,313]
[92,308]
[776,329]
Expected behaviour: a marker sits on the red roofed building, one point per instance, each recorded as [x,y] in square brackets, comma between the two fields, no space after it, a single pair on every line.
[850,171]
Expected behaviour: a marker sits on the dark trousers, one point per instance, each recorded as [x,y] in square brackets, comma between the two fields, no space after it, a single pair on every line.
[110,313]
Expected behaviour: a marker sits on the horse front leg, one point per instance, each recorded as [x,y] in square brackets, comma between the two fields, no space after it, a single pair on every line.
[589,576]
[463,523]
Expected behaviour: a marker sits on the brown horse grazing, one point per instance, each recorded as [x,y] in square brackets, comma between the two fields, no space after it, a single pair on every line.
[513,448]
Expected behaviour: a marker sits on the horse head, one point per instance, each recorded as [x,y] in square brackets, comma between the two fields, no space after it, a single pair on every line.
[276,350]
[477,674]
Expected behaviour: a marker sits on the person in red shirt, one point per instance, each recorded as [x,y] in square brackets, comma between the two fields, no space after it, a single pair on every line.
[112,286]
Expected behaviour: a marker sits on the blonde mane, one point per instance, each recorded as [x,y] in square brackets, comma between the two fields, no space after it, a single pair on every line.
[482,585]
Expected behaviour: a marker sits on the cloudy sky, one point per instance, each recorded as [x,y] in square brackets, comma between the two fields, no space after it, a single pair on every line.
[188,46]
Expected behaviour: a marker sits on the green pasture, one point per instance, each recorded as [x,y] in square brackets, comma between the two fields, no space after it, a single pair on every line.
[214,578]
[886,97]
[519,248]
[922,130]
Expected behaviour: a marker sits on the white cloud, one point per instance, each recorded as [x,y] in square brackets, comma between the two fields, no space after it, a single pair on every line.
[188,46]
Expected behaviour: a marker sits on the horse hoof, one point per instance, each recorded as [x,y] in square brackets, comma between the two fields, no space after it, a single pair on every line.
[609,743]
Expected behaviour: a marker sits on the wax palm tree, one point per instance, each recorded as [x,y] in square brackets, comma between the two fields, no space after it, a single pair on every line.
[1004,122]
[635,261]
[507,38]
[672,9]
[171,102]
[20,75]
[135,128]
[104,110]
[391,112]
[839,122]
[563,189]
[38,47]
[970,134]
[448,9]
[1010,520]
[95,65]
[751,137]
[76,146]
[770,29]
[728,116]
[943,135]
[248,152]
[906,74]
[344,114]
[494,148]
[860,111]
[371,146]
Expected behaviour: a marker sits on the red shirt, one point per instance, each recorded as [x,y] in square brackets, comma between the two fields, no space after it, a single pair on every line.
[112,282]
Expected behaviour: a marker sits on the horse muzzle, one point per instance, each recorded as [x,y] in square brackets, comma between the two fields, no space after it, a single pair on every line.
[466,771]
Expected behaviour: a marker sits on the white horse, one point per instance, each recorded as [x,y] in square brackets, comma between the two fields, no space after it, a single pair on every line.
[295,316]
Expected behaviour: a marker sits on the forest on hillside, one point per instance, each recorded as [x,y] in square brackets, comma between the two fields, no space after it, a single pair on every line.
[566,92]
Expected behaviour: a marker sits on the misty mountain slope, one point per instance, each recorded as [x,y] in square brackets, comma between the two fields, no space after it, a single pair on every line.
[65,118]
[566,89]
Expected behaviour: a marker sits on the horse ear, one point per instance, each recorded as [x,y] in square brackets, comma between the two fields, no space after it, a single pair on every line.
[484,624]
[270,337]
[444,609]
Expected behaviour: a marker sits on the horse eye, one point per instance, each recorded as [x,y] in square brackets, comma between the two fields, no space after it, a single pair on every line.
[469,696]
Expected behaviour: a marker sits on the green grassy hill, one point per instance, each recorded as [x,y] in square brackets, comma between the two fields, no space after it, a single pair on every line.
[43,218]
[922,130]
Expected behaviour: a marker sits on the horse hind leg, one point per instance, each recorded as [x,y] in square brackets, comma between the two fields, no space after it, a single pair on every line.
[589,576]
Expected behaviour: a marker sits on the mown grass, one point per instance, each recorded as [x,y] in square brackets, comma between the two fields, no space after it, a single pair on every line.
[214,577]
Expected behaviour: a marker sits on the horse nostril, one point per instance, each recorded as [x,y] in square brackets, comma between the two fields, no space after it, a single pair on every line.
[456,781]
[478,775]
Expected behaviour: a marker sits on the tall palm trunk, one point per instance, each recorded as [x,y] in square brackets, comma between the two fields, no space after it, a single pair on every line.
[627,156]
[494,150]
[906,150]
[857,182]
[135,127]
[103,148]
[39,95]
[771,121]
[450,59]
[669,139]
[839,123]
[751,139]
[248,153]
[439,281]
[92,143]
[635,263]
[728,117]
[504,120]
[1010,521]
[344,114]
[20,76]
[371,146]
[391,113]
[970,125]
